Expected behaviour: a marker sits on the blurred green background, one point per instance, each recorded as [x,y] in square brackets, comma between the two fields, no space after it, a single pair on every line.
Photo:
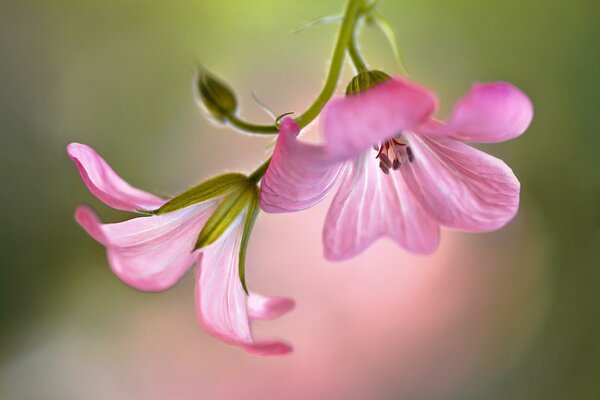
[117,76]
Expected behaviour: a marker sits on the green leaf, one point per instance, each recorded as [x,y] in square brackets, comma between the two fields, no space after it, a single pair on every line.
[212,188]
[253,210]
[225,215]
[387,28]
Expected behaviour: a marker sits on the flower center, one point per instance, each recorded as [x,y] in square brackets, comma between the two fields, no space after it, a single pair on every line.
[393,152]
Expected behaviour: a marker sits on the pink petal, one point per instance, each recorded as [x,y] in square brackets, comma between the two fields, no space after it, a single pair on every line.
[222,305]
[106,185]
[149,253]
[491,112]
[264,308]
[89,221]
[353,124]
[460,186]
[370,204]
[299,176]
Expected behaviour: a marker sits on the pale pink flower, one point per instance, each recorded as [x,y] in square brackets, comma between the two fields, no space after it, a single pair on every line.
[402,173]
[151,253]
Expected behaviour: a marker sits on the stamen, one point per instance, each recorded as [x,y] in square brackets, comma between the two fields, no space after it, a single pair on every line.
[383,159]
[393,152]
[385,169]
[398,153]
[397,142]
[411,155]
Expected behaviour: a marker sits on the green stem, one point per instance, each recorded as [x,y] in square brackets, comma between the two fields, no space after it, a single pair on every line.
[355,56]
[353,11]
[259,172]
[345,40]
[251,128]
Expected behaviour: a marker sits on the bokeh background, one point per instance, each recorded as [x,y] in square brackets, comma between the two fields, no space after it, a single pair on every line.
[513,314]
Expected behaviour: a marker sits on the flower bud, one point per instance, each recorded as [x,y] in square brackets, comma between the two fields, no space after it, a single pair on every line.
[216,96]
[365,80]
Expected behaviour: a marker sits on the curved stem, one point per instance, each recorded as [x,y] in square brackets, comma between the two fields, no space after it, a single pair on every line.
[251,128]
[353,10]
[355,56]
[345,40]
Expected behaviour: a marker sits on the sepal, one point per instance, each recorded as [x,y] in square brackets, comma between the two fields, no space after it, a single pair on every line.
[232,207]
[365,80]
[252,213]
[387,28]
[214,187]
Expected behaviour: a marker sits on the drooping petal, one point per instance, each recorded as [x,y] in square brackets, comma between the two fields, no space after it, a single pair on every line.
[265,308]
[353,124]
[149,253]
[370,204]
[90,222]
[222,305]
[490,112]
[299,176]
[106,185]
[460,186]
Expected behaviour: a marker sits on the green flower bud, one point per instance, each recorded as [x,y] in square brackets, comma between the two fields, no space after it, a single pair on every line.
[365,80]
[216,96]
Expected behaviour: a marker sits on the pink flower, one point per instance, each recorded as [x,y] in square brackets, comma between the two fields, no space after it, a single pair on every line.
[402,173]
[151,253]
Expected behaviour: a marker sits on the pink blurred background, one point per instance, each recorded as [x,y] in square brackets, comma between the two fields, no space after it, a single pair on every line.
[506,315]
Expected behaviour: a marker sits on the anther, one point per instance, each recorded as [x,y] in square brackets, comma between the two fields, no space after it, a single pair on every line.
[411,155]
[393,152]
[384,168]
[385,161]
